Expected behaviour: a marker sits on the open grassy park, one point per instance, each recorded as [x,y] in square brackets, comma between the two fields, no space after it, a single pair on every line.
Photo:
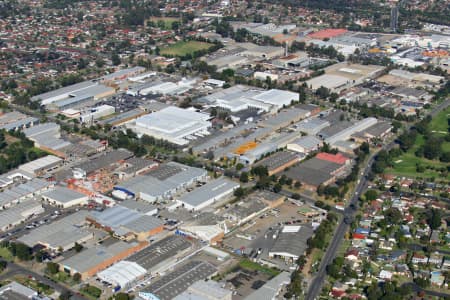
[184,48]
[406,164]
[164,22]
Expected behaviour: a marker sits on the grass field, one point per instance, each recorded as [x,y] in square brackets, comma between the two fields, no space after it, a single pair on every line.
[168,21]
[6,254]
[185,47]
[405,165]
[252,266]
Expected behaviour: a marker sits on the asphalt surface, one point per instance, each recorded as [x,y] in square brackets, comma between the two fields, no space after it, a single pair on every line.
[317,283]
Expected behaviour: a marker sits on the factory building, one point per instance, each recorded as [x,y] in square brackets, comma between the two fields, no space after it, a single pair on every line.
[93,260]
[162,183]
[208,194]
[42,165]
[96,113]
[176,125]
[122,274]
[64,197]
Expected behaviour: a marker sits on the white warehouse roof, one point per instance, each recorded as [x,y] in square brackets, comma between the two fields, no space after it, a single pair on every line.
[122,274]
[173,124]
[40,163]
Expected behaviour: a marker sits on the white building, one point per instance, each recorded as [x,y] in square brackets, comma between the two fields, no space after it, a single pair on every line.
[173,124]
[64,197]
[122,274]
[96,113]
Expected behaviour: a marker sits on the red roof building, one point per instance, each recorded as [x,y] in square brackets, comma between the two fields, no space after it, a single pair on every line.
[327,33]
[334,158]
[358,236]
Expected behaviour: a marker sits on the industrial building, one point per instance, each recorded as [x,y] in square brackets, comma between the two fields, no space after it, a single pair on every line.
[92,260]
[126,223]
[346,133]
[208,194]
[305,144]
[42,165]
[47,137]
[161,183]
[176,282]
[28,190]
[122,274]
[173,124]
[291,243]
[279,161]
[15,120]
[205,290]
[61,234]
[74,95]
[64,197]
[239,97]
[17,291]
[96,113]
[19,213]
[272,288]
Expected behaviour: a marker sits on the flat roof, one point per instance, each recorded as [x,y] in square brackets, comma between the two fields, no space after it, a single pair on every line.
[210,190]
[104,160]
[90,258]
[278,159]
[63,194]
[293,240]
[64,90]
[122,273]
[160,251]
[60,233]
[270,290]
[176,282]
[313,171]
[40,163]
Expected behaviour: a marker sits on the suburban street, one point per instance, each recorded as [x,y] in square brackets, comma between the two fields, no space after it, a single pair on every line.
[318,281]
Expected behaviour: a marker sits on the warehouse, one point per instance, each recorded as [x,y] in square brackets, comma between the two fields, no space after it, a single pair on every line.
[245,210]
[331,82]
[62,93]
[279,161]
[61,234]
[42,165]
[93,260]
[346,133]
[164,182]
[22,191]
[15,120]
[208,194]
[122,274]
[314,172]
[176,282]
[64,197]
[312,126]
[305,144]
[291,243]
[202,289]
[126,223]
[96,113]
[173,124]
[19,213]
[47,137]
[271,289]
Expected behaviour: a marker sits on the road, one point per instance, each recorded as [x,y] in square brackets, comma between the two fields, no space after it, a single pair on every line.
[316,284]
[14,269]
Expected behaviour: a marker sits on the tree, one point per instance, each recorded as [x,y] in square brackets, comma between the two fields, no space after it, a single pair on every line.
[277,188]
[52,268]
[243,177]
[78,247]
[115,59]
[435,219]
[371,195]
[122,296]
[65,295]
[22,251]
[77,277]
[3,265]
[239,192]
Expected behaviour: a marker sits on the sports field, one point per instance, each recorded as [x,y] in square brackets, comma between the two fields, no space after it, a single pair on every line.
[185,47]
[167,21]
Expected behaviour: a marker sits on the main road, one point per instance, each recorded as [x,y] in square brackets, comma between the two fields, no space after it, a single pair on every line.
[316,284]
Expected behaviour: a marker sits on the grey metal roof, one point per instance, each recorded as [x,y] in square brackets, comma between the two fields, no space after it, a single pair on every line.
[63,194]
[313,171]
[270,289]
[277,160]
[209,191]
[172,176]
[140,206]
[308,142]
[64,90]
[293,243]
[92,257]
[61,233]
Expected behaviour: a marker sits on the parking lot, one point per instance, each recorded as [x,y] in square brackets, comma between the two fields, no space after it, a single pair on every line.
[176,282]
[160,251]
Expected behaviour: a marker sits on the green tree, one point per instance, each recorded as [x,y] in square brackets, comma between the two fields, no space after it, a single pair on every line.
[243,177]
[371,195]
[52,268]
[435,219]
[115,59]
[77,277]
[78,247]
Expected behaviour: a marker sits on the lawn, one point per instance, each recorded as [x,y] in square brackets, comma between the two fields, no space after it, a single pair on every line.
[6,254]
[168,21]
[35,285]
[405,164]
[184,48]
[440,121]
[252,266]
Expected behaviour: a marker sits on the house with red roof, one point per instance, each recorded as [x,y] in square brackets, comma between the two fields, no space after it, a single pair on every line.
[337,158]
